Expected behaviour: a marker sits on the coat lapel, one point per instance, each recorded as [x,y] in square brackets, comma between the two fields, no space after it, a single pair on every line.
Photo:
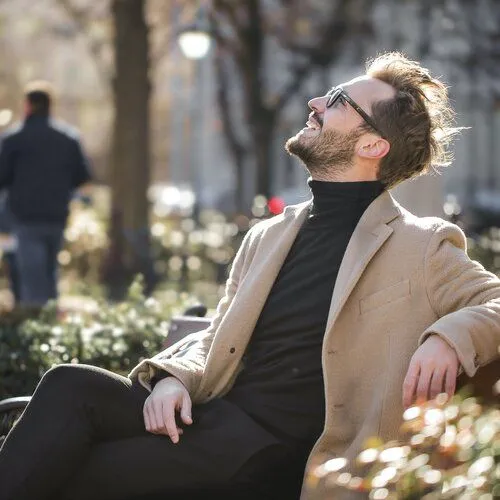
[370,234]
[267,263]
[251,296]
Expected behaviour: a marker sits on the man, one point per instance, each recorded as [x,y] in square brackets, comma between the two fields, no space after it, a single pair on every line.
[41,165]
[337,314]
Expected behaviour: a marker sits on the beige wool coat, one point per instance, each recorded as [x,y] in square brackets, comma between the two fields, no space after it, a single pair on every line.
[402,279]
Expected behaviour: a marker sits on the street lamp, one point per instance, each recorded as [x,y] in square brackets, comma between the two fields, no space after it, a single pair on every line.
[195,38]
[194,41]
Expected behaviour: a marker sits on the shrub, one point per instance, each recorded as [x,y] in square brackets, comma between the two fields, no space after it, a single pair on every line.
[447,450]
[113,336]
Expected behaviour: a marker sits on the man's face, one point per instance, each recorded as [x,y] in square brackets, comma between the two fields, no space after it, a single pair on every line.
[330,138]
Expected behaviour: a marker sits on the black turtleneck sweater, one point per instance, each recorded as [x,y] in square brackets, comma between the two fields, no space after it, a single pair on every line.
[281,385]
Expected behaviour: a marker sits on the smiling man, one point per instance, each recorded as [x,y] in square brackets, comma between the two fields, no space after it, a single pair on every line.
[337,315]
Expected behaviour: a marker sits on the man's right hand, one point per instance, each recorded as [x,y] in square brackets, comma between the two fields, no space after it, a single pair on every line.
[169,396]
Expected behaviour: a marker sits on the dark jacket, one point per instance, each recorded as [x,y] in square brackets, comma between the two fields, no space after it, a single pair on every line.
[41,164]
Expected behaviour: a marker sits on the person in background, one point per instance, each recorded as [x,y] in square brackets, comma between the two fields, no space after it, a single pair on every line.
[41,165]
[8,247]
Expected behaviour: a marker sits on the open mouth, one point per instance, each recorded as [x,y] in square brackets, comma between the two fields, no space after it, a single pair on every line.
[312,123]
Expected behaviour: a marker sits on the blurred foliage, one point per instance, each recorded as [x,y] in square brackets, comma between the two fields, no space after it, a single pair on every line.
[446,450]
[485,248]
[190,254]
[112,336]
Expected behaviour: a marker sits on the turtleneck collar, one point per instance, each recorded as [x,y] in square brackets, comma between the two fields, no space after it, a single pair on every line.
[330,195]
[337,203]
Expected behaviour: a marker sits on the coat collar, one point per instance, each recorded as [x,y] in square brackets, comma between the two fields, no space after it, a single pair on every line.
[370,234]
[381,211]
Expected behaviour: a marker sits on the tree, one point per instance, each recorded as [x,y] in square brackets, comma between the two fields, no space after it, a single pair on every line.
[129,164]
[251,36]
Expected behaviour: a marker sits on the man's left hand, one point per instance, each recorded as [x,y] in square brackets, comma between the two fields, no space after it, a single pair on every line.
[433,370]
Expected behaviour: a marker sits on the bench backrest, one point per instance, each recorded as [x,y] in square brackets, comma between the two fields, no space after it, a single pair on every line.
[180,326]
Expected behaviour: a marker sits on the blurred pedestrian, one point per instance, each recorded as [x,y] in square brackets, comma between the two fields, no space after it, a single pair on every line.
[8,247]
[41,165]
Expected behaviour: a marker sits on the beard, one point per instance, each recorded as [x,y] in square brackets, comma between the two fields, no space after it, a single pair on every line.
[329,152]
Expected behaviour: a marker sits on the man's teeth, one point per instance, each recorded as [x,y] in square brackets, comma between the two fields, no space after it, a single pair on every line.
[312,125]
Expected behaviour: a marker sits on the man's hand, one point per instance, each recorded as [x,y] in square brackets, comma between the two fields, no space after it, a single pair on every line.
[433,370]
[169,395]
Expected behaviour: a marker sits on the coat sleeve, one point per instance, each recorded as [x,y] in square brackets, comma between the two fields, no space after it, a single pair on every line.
[81,165]
[465,297]
[186,359]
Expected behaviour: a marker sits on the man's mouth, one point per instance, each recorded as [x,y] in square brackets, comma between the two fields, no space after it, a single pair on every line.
[313,122]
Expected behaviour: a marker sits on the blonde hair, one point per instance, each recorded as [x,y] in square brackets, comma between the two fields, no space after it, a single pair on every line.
[418,121]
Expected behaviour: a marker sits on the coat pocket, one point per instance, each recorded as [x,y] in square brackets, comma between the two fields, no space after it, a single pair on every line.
[383,297]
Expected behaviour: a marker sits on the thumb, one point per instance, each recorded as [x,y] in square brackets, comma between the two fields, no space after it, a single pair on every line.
[186,410]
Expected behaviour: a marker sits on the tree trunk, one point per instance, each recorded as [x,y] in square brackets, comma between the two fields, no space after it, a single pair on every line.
[129,252]
[263,139]
[234,142]
[261,117]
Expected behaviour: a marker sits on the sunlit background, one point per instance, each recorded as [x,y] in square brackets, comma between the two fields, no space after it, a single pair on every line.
[184,107]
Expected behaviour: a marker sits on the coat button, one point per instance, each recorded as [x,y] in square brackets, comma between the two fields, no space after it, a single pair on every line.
[232,350]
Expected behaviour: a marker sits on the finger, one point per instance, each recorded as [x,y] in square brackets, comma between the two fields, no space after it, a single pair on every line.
[423,386]
[169,421]
[186,411]
[410,384]
[152,418]
[450,381]
[437,381]
[160,421]
[147,421]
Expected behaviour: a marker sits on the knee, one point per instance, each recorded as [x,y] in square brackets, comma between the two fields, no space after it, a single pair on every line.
[64,377]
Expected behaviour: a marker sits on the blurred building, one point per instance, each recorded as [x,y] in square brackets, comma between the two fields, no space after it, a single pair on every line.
[457,39]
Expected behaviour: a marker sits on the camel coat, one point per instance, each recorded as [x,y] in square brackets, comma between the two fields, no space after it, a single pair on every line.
[402,279]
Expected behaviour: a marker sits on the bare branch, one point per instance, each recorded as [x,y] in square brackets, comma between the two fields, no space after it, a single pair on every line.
[322,54]
[81,17]
[234,141]
[230,44]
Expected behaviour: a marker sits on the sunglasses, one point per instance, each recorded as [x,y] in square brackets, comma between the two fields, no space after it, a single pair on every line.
[338,93]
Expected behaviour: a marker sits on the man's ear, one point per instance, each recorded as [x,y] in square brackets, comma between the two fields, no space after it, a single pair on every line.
[374,148]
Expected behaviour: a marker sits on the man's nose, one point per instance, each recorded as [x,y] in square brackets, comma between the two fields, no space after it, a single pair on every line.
[317,104]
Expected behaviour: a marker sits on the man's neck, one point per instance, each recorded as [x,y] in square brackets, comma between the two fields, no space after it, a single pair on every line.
[37,115]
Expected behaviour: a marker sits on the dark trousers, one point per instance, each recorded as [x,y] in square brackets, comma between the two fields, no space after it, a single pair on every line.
[82,436]
[38,248]
[10,261]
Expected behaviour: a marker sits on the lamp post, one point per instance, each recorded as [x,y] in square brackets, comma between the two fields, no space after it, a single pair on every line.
[195,41]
